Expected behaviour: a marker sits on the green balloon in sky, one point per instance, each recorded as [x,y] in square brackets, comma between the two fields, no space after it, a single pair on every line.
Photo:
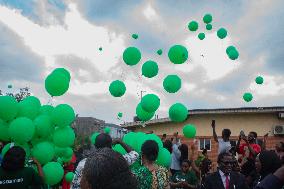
[100,49]
[63,71]
[172,83]
[150,69]
[46,110]
[135,36]
[63,115]
[259,80]
[193,26]
[164,158]
[222,33]
[201,36]
[43,126]
[207,18]
[117,88]
[178,54]
[21,130]
[131,56]
[178,112]
[43,152]
[119,114]
[8,108]
[29,107]
[142,114]
[160,52]
[209,26]
[247,97]
[150,102]
[57,83]
[53,173]
[69,177]
[189,131]
[4,131]
[130,139]
[232,52]
[64,137]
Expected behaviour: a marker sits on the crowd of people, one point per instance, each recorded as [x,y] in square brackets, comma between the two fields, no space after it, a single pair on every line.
[244,165]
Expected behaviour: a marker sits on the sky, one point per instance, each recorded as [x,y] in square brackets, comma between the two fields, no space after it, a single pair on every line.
[37,36]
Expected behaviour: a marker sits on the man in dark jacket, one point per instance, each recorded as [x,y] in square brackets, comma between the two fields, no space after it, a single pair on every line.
[224,177]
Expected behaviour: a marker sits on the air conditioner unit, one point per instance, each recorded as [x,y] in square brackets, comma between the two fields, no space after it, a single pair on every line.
[278,130]
[281,115]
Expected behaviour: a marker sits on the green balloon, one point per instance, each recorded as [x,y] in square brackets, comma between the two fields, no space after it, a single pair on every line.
[93,137]
[63,115]
[150,102]
[46,110]
[140,139]
[43,126]
[4,131]
[135,36]
[178,112]
[130,139]
[222,33]
[118,148]
[66,159]
[178,54]
[53,173]
[29,107]
[189,131]
[156,139]
[201,36]
[119,114]
[10,86]
[68,153]
[207,18]
[64,137]
[43,152]
[172,83]
[60,161]
[142,114]
[131,56]
[21,130]
[160,52]
[209,26]
[26,147]
[259,80]
[100,49]
[117,88]
[64,72]
[56,84]
[193,26]
[150,69]
[107,130]
[69,177]
[164,158]
[247,97]
[8,108]
[60,152]
[232,52]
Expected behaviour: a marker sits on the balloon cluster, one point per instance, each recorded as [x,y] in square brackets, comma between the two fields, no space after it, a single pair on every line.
[42,130]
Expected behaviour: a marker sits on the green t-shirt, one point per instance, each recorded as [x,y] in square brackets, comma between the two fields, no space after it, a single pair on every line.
[189,177]
[25,178]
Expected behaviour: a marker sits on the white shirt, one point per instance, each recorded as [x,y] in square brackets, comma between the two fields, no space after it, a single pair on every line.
[223,177]
[175,164]
[223,146]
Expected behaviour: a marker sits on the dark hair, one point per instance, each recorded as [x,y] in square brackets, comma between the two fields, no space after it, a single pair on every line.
[222,155]
[108,169]
[183,152]
[227,132]
[254,134]
[103,140]
[204,151]
[150,150]
[164,135]
[168,145]
[186,161]
[270,162]
[14,159]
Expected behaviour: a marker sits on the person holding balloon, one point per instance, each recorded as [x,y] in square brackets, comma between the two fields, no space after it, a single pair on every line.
[14,174]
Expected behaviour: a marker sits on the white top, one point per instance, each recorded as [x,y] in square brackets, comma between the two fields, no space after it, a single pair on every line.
[223,177]
[223,146]
[175,164]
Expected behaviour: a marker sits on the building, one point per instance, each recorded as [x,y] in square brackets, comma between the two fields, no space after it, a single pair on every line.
[261,120]
[85,126]
[116,131]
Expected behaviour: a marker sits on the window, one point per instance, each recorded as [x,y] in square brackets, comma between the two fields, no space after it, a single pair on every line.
[204,143]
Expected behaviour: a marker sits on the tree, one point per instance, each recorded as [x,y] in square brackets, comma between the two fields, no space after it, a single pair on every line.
[24,92]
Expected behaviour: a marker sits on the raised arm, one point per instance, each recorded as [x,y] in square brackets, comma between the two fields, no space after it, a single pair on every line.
[214,131]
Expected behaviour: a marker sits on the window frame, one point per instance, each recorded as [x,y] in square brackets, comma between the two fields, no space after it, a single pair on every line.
[210,142]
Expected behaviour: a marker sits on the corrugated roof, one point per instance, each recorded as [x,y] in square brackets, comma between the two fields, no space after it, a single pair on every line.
[212,111]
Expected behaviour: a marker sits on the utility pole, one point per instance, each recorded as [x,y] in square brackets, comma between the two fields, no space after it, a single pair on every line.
[141,94]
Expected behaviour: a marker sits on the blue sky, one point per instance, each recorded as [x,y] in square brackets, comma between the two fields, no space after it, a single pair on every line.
[38,36]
